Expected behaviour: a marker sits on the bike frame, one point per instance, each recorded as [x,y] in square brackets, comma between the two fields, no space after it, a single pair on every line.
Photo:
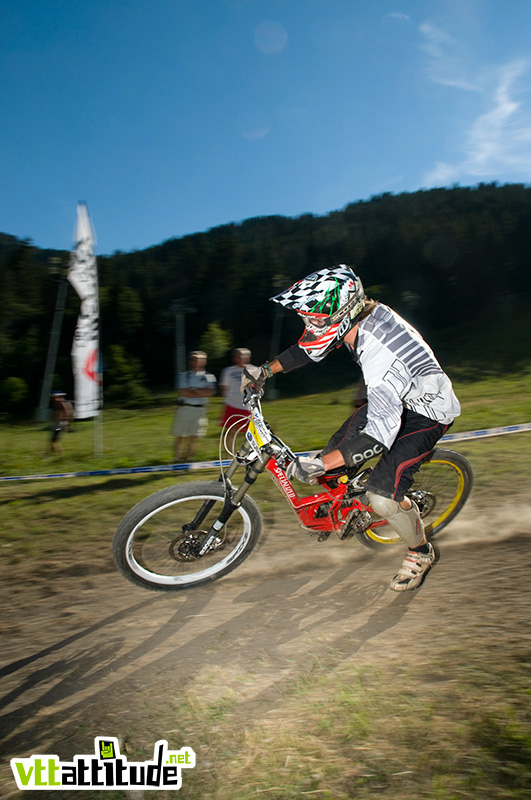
[324,512]
[196,519]
[309,509]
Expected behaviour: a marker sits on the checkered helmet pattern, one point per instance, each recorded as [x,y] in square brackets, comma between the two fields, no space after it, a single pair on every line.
[333,295]
[324,292]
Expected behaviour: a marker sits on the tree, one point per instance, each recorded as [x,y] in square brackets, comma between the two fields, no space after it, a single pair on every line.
[126,378]
[216,343]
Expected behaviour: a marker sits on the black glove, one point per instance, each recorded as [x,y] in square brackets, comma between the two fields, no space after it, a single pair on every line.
[253,377]
[306,469]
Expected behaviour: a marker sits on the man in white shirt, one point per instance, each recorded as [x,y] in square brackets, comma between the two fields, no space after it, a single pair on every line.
[229,386]
[410,400]
[196,387]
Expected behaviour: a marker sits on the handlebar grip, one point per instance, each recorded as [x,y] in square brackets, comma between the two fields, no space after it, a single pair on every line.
[252,392]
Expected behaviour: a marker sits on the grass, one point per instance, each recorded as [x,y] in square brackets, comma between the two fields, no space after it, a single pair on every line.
[352,732]
[135,438]
[347,730]
[38,515]
[415,727]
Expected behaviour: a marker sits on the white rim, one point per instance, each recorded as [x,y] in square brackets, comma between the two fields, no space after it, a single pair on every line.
[194,577]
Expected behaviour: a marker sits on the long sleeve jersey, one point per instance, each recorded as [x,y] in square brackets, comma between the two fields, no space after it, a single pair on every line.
[399,370]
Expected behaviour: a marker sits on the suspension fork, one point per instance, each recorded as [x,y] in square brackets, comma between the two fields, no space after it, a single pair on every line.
[231,503]
[208,504]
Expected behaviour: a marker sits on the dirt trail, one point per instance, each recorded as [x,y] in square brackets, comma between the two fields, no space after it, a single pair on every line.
[89,654]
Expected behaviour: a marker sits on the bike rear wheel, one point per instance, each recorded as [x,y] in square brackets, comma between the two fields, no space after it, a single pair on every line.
[155,547]
[440,490]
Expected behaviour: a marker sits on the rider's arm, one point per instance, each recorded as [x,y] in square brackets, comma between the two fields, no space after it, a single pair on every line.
[290,359]
[273,367]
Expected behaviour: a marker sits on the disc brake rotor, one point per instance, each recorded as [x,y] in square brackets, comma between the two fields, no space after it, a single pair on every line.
[426,501]
[187,546]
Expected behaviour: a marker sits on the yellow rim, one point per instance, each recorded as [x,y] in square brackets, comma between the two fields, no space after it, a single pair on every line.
[442,516]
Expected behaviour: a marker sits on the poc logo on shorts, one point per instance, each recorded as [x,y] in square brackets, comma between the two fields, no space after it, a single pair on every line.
[370,452]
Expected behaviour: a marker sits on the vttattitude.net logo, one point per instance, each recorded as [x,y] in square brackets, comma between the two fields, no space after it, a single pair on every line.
[107,769]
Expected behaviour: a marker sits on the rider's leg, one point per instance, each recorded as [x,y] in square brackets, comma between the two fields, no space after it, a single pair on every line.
[330,457]
[408,524]
[387,485]
[403,518]
[351,426]
[350,445]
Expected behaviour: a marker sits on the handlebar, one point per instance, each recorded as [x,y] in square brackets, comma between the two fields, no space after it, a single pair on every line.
[283,453]
[251,397]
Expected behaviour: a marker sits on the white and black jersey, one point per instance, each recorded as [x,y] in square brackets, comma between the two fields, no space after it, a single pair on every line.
[400,370]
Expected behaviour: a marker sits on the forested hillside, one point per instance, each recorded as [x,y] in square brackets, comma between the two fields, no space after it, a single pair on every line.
[455,262]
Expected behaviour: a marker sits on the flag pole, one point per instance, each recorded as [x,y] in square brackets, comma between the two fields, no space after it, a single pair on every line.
[98,419]
[43,413]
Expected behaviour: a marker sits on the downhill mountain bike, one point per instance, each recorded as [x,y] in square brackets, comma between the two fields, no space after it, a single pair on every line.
[193,533]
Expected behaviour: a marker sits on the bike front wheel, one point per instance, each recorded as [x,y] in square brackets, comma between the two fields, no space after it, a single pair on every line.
[156,545]
[440,490]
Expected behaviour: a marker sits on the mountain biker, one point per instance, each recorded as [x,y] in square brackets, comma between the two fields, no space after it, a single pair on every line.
[410,400]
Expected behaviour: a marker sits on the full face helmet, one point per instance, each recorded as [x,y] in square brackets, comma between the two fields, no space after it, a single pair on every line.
[330,302]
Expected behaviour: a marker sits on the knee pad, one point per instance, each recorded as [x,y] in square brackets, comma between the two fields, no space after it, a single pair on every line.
[406,522]
[384,506]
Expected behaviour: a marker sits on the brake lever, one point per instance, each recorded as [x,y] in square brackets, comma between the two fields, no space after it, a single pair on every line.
[250,395]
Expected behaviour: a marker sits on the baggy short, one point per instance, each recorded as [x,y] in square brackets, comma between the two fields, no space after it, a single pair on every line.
[393,474]
[190,421]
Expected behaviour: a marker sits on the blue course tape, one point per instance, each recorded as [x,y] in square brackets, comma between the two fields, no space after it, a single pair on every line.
[461,437]
[121,471]
[449,437]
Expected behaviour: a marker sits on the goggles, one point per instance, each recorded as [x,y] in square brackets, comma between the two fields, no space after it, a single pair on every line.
[315,321]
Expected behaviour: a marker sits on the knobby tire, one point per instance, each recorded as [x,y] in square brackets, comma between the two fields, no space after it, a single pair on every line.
[149,546]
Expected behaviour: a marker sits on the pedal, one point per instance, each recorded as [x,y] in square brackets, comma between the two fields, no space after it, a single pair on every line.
[321,536]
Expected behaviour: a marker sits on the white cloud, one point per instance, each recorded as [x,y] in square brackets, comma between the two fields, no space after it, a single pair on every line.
[497,144]
[446,58]
[254,124]
[397,15]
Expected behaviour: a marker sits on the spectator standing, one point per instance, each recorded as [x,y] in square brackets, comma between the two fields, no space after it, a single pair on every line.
[62,416]
[229,385]
[196,387]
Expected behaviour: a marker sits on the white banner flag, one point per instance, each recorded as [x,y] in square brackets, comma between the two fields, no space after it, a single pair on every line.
[83,275]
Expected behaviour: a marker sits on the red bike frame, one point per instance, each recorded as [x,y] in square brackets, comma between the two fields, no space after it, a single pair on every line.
[324,512]
[310,509]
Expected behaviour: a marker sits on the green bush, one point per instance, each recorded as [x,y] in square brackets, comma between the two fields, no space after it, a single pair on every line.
[13,392]
[127,387]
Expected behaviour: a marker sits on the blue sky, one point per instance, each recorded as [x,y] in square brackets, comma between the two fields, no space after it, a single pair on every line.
[171,117]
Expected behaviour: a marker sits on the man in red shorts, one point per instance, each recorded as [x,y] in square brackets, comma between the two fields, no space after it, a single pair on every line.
[229,386]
